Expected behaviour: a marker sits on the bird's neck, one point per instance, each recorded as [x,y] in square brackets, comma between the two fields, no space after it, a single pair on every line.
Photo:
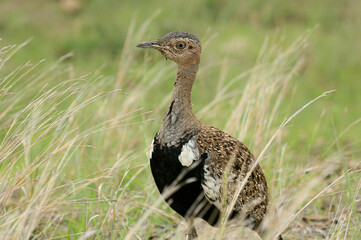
[183,87]
[180,118]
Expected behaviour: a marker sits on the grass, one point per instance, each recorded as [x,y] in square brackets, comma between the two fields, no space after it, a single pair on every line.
[74,144]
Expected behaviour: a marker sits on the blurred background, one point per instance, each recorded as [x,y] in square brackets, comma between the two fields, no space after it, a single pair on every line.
[106,177]
[95,31]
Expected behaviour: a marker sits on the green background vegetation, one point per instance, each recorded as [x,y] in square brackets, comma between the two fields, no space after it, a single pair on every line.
[95,32]
[102,35]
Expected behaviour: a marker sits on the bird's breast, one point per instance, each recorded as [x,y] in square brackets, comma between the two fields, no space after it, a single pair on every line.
[168,163]
[179,184]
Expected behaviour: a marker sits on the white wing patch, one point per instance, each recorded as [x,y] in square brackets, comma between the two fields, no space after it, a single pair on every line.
[151,149]
[189,153]
[212,187]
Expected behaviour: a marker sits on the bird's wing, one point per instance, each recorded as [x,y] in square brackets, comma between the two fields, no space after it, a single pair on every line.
[228,162]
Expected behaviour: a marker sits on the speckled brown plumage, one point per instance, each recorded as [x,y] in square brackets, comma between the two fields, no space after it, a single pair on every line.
[203,164]
[229,153]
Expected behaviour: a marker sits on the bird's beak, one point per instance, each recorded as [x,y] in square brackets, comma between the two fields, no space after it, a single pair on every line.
[153,44]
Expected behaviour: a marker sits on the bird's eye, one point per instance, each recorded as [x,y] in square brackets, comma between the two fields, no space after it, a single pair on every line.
[181,45]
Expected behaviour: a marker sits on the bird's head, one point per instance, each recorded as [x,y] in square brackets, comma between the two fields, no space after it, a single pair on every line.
[180,47]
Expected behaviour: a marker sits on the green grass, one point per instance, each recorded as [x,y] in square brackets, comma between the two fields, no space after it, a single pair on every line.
[75,132]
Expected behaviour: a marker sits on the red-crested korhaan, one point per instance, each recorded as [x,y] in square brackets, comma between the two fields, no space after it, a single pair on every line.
[195,166]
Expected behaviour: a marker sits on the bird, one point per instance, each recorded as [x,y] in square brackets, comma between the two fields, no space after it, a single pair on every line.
[195,166]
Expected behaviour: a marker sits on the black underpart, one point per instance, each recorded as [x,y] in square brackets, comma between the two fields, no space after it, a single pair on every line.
[184,183]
